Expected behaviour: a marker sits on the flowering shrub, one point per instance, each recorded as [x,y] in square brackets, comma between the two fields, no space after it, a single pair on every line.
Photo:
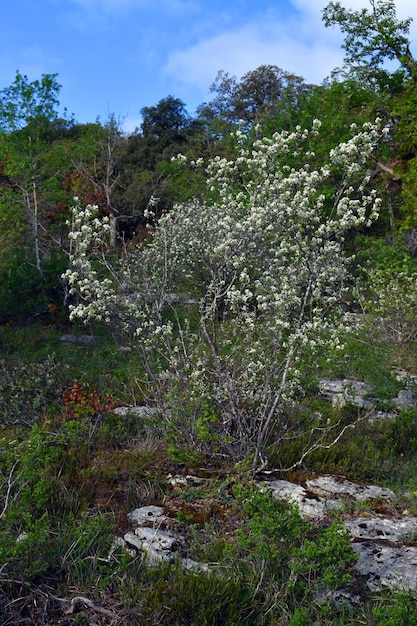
[88,238]
[235,294]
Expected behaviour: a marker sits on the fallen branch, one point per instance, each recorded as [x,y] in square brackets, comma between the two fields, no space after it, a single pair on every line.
[80,603]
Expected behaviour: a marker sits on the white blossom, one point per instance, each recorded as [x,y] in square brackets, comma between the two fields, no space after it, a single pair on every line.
[262,259]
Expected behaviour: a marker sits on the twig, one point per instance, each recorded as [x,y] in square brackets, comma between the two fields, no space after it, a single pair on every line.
[10,484]
[319,445]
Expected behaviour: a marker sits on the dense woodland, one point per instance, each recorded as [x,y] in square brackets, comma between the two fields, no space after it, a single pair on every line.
[87,209]
[47,158]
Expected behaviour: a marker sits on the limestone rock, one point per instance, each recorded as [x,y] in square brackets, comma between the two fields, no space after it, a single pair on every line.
[186,481]
[147,514]
[383,560]
[309,504]
[361,395]
[84,340]
[382,528]
[405,399]
[342,392]
[155,543]
[409,380]
[387,565]
[140,411]
[387,556]
[328,486]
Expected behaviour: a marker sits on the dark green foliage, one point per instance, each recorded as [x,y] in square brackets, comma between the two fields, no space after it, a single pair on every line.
[24,292]
[401,436]
[298,555]
[28,391]
[382,253]
[21,288]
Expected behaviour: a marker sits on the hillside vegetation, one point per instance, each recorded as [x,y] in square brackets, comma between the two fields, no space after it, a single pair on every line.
[212,268]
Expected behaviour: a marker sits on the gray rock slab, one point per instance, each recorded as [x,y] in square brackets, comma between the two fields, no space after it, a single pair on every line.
[309,505]
[147,514]
[328,486]
[186,481]
[405,399]
[157,539]
[158,545]
[342,392]
[85,340]
[194,566]
[387,566]
[153,552]
[403,376]
[382,528]
[140,411]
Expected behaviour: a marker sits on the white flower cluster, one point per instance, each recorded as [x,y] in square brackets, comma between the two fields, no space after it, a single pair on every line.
[88,237]
[261,260]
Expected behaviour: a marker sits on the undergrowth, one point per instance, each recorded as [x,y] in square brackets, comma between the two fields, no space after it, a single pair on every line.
[71,469]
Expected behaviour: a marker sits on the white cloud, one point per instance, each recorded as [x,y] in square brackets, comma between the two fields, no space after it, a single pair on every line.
[404,9]
[249,47]
[301,45]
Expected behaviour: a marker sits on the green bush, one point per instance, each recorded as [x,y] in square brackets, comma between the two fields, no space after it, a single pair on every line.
[28,391]
[293,552]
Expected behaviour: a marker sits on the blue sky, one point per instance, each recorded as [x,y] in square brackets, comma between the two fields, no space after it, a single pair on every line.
[117,56]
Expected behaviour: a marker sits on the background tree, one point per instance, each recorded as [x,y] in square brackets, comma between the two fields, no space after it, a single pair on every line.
[96,156]
[373,37]
[374,40]
[30,130]
[147,170]
[267,93]
[27,103]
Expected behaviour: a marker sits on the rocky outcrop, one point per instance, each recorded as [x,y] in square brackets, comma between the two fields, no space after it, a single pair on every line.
[325,493]
[329,486]
[347,391]
[343,392]
[84,340]
[387,566]
[309,504]
[387,554]
[153,538]
[385,557]
[380,528]
[385,545]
